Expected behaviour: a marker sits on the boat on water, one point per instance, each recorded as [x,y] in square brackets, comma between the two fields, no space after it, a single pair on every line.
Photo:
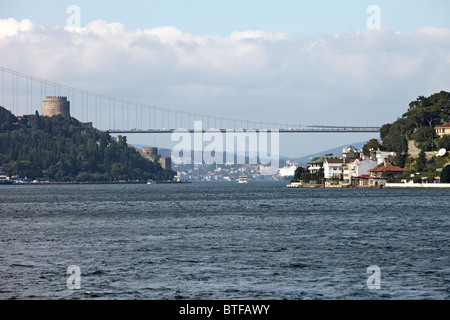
[243,179]
[4,178]
[168,181]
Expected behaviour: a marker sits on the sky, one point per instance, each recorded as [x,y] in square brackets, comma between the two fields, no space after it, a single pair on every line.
[309,62]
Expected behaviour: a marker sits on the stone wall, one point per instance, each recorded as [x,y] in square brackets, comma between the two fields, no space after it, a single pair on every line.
[414,151]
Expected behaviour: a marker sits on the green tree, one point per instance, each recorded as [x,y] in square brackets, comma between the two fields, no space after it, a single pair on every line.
[418,121]
[400,159]
[421,161]
[445,174]
[394,136]
[318,176]
[444,142]
[423,134]
[6,119]
[298,173]
[423,111]
[442,101]
[371,144]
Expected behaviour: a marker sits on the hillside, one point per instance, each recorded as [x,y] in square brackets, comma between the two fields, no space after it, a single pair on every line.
[62,149]
[418,124]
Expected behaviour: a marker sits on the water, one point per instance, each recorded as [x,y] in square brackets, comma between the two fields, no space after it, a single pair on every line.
[259,240]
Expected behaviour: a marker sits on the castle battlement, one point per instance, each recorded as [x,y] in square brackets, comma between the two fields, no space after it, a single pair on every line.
[56,98]
[56,105]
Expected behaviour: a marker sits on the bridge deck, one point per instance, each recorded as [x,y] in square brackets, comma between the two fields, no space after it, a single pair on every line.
[336,130]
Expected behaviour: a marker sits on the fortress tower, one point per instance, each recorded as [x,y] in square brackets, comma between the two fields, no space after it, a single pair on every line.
[53,106]
[151,153]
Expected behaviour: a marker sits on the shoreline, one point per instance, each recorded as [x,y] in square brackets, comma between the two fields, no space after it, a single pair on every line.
[90,183]
[386,186]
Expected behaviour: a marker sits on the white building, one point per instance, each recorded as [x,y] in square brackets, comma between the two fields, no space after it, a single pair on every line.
[287,171]
[332,168]
[381,156]
[442,129]
[357,168]
[316,164]
[351,153]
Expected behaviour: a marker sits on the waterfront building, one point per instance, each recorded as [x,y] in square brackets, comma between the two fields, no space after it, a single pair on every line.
[332,168]
[288,171]
[357,168]
[381,157]
[378,172]
[316,164]
[351,153]
[376,178]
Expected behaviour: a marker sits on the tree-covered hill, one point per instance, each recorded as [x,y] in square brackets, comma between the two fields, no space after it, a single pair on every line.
[65,150]
[417,124]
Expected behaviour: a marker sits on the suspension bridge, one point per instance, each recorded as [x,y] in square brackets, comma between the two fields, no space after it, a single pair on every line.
[23,94]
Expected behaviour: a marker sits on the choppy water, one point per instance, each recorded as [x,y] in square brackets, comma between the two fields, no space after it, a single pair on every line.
[258,240]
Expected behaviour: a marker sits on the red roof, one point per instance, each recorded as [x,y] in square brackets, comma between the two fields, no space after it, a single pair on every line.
[447,125]
[386,168]
[334,160]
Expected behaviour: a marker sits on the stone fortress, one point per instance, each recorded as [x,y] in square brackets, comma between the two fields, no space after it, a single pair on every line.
[151,153]
[53,106]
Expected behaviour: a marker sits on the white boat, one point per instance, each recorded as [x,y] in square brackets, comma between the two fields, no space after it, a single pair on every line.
[151,182]
[242,179]
[4,179]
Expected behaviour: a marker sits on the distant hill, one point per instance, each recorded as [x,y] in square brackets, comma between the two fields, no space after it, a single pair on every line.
[303,161]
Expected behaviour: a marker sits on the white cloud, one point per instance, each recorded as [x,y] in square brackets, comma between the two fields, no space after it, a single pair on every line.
[248,74]
[11,27]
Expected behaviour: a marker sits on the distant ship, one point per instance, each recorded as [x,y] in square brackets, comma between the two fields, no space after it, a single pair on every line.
[242,179]
[4,178]
[168,181]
